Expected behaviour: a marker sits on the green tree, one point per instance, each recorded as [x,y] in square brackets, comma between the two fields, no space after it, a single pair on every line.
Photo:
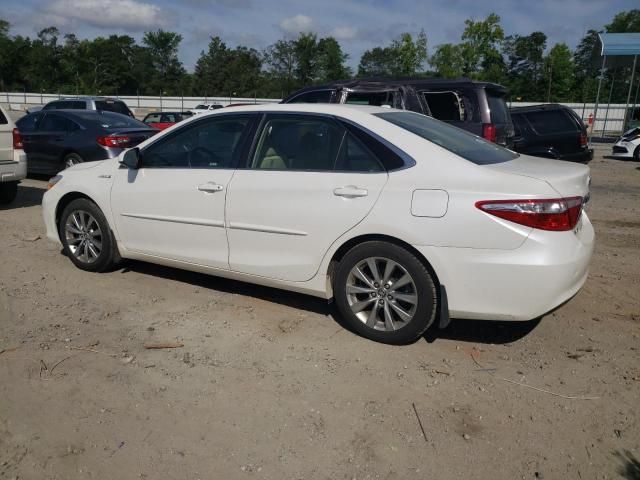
[585,69]
[409,54]
[525,56]
[447,60]
[479,48]
[307,52]
[163,53]
[559,69]
[331,61]
[377,62]
[281,64]
[625,22]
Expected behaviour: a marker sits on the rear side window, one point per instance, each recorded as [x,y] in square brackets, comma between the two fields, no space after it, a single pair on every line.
[56,123]
[460,142]
[52,106]
[3,119]
[298,142]
[551,122]
[112,106]
[317,96]
[446,106]
[498,108]
[378,99]
[518,125]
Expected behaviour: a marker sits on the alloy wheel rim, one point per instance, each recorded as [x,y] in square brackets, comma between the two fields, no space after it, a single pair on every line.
[382,294]
[71,161]
[83,236]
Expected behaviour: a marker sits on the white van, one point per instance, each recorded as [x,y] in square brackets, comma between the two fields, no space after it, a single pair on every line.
[13,160]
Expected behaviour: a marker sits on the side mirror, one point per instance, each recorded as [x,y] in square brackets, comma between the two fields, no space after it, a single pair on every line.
[131,159]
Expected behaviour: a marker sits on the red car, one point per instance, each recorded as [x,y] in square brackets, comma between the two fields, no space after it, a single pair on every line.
[162,120]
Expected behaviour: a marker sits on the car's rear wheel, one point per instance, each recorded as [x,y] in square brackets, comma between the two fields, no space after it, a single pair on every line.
[385,293]
[72,159]
[86,236]
[8,192]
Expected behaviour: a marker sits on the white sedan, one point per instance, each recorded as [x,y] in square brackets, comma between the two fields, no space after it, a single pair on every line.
[402,219]
[628,145]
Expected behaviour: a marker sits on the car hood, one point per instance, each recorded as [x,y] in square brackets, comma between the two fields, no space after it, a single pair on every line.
[84,166]
[567,178]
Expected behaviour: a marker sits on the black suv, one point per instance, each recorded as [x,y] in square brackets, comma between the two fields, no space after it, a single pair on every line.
[551,131]
[478,107]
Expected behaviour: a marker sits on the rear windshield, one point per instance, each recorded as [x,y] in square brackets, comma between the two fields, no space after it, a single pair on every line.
[111,120]
[460,142]
[498,108]
[112,106]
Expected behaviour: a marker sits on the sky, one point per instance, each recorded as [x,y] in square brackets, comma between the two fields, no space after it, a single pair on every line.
[357,24]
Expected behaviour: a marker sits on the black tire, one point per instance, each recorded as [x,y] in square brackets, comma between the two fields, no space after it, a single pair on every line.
[8,192]
[71,159]
[84,257]
[423,289]
[636,154]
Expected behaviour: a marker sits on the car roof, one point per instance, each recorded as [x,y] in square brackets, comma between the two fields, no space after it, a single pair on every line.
[88,98]
[373,83]
[539,108]
[322,108]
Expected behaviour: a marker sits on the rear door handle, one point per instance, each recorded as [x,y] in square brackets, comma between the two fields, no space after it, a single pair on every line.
[210,187]
[350,191]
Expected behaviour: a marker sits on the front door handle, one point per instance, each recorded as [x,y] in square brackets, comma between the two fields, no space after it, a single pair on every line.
[210,187]
[350,191]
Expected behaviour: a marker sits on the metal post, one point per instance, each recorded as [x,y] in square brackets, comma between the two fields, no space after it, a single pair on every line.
[606,115]
[595,108]
[161,100]
[626,107]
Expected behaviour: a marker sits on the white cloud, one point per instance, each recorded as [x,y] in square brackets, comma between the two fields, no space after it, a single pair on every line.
[344,33]
[296,24]
[125,14]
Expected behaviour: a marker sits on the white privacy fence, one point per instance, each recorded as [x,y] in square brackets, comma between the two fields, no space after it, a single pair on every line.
[609,122]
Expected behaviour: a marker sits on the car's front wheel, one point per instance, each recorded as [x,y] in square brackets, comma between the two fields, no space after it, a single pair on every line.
[86,236]
[385,293]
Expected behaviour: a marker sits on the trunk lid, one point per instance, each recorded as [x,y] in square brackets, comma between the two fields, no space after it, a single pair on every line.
[568,179]
[137,135]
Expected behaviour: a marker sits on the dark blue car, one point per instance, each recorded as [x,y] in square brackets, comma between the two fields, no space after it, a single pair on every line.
[55,140]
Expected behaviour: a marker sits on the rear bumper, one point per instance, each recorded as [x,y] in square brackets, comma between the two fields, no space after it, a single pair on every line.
[15,170]
[584,156]
[521,284]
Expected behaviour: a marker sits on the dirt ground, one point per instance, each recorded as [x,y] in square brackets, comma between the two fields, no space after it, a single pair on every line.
[269,386]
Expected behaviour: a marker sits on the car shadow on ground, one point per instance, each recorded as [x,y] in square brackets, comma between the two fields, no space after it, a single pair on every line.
[27,197]
[482,331]
[630,468]
[473,331]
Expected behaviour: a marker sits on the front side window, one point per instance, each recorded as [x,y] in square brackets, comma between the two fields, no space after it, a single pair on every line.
[317,96]
[212,143]
[460,142]
[298,142]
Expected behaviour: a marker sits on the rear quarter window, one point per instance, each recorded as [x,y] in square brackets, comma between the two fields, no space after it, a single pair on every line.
[28,122]
[460,142]
[498,108]
[3,119]
[551,122]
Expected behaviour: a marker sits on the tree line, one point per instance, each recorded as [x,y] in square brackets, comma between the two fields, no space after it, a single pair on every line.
[119,65]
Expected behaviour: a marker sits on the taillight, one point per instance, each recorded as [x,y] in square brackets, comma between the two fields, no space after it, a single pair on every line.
[583,139]
[555,214]
[18,144]
[489,132]
[117,141]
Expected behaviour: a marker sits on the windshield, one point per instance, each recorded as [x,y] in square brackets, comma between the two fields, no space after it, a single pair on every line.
[460,142]
[112,106]
[201,107]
